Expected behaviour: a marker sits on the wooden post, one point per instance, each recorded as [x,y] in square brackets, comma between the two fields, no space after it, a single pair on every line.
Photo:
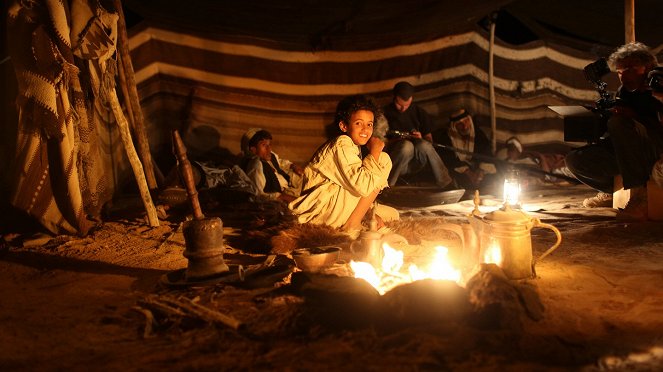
[125,134]
[133,102]
[491,84]
[629,21]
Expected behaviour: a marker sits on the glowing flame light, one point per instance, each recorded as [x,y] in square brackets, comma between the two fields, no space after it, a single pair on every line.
[392,275]
[493,254]
[511,191]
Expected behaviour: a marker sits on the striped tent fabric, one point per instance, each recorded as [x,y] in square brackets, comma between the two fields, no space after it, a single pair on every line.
[215,89]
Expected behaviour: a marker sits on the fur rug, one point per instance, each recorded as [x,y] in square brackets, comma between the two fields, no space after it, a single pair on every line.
[288,238]
[269,228]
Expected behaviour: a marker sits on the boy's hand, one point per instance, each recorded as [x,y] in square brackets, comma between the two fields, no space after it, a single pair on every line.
[297,169]
[375,146]
[286,198]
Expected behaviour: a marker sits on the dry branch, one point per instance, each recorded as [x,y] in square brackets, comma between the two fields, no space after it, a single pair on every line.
[149,320]
[185,306]
[156,304]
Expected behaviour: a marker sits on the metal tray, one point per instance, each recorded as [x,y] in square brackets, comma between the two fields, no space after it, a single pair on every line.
[419,197]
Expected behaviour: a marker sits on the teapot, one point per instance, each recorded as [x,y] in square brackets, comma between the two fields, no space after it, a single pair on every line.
[368,246]
[506,232]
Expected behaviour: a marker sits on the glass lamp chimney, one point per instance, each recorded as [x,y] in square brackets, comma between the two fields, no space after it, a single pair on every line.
[512,188]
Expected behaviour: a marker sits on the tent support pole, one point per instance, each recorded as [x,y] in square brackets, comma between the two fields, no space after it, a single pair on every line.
[629,21]
[491,84]
[133,102]
[137,167]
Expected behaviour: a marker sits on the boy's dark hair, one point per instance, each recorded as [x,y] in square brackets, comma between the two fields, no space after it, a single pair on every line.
[349,105]
[259,136]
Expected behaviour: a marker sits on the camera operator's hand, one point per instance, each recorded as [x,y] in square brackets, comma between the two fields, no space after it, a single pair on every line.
[623,110]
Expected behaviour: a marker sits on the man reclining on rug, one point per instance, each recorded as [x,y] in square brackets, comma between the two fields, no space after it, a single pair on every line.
[339,186]
[274,177]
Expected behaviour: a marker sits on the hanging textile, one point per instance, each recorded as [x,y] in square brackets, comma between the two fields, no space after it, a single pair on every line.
[61,51]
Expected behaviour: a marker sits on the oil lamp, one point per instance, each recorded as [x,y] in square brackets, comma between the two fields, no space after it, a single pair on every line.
[512,189]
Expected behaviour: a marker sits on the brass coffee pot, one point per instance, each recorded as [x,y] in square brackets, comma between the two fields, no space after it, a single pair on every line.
[507,232]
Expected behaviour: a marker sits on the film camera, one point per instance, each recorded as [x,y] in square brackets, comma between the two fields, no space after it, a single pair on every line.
[655,79]
[594,73]
[588,123]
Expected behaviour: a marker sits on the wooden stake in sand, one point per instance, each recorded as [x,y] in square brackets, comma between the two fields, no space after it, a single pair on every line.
[136,166]
[128,85]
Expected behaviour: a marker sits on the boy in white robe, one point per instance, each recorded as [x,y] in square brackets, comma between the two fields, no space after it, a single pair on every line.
[339,185]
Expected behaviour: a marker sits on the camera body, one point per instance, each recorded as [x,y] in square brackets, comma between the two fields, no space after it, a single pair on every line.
[594,72]
[590,128]
[655,79]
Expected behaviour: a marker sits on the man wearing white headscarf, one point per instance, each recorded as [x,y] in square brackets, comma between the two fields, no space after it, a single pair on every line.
[468,172]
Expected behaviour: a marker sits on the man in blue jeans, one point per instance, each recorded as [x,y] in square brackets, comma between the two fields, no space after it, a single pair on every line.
[412,150]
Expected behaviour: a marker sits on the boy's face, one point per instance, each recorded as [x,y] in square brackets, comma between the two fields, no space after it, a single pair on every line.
[263,149]
[360,128]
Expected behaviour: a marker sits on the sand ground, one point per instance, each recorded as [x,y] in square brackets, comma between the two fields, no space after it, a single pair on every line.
[75,303]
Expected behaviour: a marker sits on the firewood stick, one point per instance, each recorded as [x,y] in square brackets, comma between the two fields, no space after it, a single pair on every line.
[133,158]
[149,320]
[216,315]
[203,312]
[156,304]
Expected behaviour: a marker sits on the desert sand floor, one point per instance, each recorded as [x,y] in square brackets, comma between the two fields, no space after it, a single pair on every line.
[72,303]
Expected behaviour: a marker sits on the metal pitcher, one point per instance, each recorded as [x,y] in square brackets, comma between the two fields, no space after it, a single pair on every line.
[507,232]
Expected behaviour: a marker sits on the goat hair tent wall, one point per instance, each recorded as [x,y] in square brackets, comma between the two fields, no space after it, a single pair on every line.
[212,69]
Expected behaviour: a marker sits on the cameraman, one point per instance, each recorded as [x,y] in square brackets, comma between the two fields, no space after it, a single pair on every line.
[634,140]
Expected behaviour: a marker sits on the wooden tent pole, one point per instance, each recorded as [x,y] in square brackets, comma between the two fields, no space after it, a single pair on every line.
[130,113]
[491,84]
[126,67]
[125,90]
[125,134]
[629,21]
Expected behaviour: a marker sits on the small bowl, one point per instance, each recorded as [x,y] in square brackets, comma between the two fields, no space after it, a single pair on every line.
[315,259]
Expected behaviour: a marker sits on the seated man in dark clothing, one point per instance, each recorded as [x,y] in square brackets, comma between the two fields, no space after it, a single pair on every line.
[469,172]
[411,149]
[634,141]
